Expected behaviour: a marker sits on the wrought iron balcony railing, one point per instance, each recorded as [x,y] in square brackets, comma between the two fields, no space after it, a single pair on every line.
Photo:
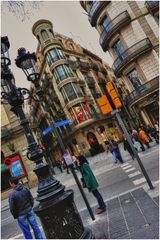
[94,67]
[83,64]
[131,54]
[143,90]
[95,10]
[89,80]
[153,6]
[123,19]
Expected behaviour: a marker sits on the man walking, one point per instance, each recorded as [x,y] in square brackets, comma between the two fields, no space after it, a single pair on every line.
[21,204]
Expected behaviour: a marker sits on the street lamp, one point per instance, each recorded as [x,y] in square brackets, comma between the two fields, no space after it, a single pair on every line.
[56,209]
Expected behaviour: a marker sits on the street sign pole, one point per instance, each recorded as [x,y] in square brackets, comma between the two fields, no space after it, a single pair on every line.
[73,171]
[119,119]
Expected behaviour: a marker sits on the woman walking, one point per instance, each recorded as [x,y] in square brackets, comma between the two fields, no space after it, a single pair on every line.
[114,149]
[127,146]
[91,182]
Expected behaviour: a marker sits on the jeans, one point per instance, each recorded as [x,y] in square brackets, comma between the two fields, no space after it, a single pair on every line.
[117,154]
[99,198]
[24,222]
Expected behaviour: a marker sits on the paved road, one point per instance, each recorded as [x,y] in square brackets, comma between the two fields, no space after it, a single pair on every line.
[114,179]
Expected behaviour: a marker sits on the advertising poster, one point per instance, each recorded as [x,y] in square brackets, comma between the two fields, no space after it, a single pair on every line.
[16,166]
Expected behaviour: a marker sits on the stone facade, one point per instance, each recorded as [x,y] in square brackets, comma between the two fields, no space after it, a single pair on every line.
[12,135]
[134,48]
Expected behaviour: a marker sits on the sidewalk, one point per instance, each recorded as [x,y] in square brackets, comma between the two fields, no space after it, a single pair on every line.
[134,215]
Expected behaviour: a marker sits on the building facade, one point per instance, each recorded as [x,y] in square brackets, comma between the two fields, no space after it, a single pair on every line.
[129,31]
[72,78]
[14,148]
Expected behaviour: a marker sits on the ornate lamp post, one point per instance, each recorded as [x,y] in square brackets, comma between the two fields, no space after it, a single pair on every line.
[56,209]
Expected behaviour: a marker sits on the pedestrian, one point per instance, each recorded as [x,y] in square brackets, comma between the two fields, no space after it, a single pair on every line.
[127,146]
[66,167]
[144,137]
[147,129]
[75,162]
[153,132]
[156,125]
[91,182]
[59,165]
[114,149]
[136,138]
[21,206]
[107,149]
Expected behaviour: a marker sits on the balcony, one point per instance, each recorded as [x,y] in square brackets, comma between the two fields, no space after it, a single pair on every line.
[83,65]
[96,95]
[130,55]
[72,64]
[95,10]
[153,6]
[94,67]
[103,70]
[122,20]
[89,80]
[143,90]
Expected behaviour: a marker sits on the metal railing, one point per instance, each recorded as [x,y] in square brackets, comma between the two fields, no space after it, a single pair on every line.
[130,54]
[112,27]
[96,7]
[89,80]
[152,5]
[143,90]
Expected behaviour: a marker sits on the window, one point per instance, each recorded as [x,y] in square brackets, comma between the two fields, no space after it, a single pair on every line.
[77,89]
[119,49]
[61,72]
[80,113]
[104,22]
[44,34]
[70,92]
[54,55]
[134,78]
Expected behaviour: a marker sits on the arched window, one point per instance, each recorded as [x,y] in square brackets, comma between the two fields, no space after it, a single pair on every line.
[44,34]
[50,30]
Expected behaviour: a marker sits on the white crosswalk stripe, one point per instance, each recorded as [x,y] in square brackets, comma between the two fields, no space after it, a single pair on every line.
[134,174]
[129,170]
[128,166]
[139,181]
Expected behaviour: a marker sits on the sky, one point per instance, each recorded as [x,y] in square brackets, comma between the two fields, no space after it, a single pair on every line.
[68,18]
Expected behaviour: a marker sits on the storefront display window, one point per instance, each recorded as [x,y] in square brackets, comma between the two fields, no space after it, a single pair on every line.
[80,113]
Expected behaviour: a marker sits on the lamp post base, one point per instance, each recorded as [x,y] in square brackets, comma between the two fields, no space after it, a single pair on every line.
[60,218]
[56,209]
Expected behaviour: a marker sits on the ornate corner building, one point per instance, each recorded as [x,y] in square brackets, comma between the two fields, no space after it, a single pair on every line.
[129,31]
[72,78]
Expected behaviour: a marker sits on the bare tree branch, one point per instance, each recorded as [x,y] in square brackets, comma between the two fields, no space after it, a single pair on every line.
[21,9]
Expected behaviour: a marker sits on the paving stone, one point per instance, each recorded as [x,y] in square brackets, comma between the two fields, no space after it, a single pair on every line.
[142,234]
[156,199]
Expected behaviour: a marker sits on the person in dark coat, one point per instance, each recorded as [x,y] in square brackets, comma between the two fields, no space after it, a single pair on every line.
[127,146]
[21,207]
[114,149]
[91,182]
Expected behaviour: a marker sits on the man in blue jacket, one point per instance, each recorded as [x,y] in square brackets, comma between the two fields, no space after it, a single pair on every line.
[21,206]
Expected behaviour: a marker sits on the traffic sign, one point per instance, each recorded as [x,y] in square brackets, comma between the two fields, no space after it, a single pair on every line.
[64,122]
[47,130]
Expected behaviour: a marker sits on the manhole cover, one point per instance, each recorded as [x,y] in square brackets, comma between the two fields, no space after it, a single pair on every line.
[146,225]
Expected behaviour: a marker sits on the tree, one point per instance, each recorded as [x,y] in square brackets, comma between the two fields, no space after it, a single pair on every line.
[21,9]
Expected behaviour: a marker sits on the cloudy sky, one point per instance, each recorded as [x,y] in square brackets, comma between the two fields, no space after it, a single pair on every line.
[68,18]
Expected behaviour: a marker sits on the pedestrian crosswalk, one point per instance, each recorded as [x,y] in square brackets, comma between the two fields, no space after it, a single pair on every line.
[132,173]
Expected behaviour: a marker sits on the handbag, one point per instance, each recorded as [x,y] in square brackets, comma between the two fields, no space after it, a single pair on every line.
[83,183]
